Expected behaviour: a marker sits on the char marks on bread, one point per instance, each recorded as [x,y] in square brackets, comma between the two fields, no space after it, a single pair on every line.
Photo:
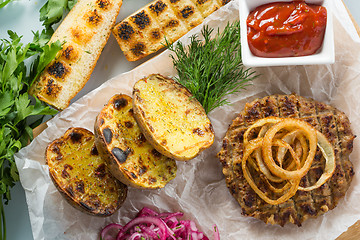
[144,32]
[84,33]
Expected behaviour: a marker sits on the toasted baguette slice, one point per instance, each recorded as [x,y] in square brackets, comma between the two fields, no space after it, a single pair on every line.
[84,32]
[130,157]
[81,175]
[172,120]
[144,32]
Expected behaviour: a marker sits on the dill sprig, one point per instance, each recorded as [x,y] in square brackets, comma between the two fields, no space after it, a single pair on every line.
[212,68]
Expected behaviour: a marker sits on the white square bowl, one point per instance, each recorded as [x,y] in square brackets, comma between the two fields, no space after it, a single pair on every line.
[325,55]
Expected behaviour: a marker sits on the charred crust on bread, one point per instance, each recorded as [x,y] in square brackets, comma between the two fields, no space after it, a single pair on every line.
[156,34]
[94,18]
[103,4]
[201,2]
[172,23]
[141,19]
[125,31]
[138,49]
[52,88]
[187,11]
[70,53]
[81,49]
[58,70]
[173,18]
[158,7]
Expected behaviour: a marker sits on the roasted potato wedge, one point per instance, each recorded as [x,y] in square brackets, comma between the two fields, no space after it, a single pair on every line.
[130,158]
[172,120]
[81,175]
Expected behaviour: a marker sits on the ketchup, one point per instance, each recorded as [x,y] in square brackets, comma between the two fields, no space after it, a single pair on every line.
[286,29]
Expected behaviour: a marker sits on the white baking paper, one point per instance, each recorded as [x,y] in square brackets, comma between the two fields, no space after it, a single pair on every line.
[199,190]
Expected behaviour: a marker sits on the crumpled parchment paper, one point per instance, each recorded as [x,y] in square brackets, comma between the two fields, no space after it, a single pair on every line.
[199,189]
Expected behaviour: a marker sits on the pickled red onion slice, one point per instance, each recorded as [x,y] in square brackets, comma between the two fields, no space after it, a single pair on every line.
[149,224]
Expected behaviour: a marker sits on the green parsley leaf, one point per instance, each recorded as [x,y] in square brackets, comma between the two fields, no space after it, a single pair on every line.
[71,3]
[19,113]
[22,107]
[41,39]
[3,3]
[6,101]
[53,11]
[48,53]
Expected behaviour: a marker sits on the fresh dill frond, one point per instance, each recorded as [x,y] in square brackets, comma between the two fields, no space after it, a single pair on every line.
[212,68]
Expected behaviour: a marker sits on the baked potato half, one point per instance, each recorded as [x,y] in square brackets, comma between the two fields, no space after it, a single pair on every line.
[172,120]
[81,175]
[130,157]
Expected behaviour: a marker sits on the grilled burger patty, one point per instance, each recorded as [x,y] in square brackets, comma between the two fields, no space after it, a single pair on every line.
[331,122]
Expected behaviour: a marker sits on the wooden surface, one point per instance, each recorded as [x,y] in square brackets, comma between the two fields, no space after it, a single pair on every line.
[353,232]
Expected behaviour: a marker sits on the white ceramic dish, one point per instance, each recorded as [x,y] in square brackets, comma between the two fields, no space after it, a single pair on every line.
[325,55]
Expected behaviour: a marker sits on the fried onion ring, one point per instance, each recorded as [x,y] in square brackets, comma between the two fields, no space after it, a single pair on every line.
[289,123]
[329,154]
[294,184]
[296,142]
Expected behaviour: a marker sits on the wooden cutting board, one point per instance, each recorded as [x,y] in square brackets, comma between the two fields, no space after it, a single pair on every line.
[353,232]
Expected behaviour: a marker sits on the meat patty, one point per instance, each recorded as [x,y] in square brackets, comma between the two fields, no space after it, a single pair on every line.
[333,123]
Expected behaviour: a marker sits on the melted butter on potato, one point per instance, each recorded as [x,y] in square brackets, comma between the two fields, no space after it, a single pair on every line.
[171,118]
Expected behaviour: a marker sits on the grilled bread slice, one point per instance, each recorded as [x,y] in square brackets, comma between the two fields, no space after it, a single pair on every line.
[144,32]
[84,32]
[130,157]
[171,118]
[81,175]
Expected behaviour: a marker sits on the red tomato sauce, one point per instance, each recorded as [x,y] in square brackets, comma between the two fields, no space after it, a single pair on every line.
[286,29]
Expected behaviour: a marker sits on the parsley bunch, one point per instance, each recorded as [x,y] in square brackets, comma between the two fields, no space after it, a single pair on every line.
[19,114]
